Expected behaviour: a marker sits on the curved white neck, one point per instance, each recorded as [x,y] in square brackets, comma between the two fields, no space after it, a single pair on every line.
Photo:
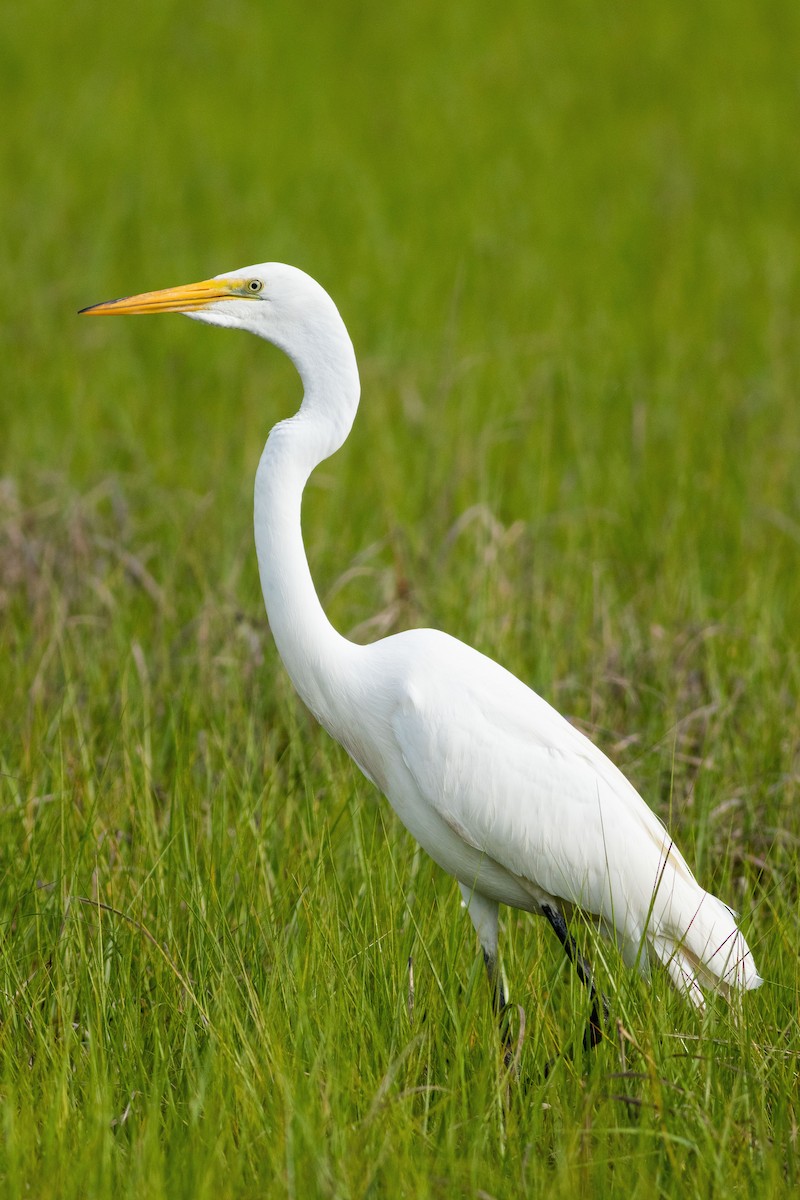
[314,654]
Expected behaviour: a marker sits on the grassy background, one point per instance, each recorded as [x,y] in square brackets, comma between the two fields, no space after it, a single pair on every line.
[565,240]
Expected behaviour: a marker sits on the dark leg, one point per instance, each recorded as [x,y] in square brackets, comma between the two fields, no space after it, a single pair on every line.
[495,982]
[594,1033]
[499,1005]
[483,914]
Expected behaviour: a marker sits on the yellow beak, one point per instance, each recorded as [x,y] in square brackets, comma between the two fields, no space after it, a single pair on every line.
[188,298]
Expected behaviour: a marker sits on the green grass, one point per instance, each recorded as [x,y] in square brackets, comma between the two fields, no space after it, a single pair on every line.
[565,239]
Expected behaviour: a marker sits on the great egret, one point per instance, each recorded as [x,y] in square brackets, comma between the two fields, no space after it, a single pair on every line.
[501,790]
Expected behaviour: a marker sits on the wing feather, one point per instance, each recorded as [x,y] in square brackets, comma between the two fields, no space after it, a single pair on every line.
[530,791]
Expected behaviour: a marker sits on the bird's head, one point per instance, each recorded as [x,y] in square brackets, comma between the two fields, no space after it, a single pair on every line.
[286,307]
[275,301]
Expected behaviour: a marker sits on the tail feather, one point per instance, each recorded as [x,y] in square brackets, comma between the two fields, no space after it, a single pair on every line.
[703,948]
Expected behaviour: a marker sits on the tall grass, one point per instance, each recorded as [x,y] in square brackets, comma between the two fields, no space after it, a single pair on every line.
[565,241]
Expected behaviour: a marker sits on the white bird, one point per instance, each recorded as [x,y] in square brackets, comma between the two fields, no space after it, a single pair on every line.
[500,790]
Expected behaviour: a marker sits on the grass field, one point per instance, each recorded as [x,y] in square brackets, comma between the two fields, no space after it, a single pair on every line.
[565,239]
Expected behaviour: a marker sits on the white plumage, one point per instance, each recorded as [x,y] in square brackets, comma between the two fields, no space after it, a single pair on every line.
[501,791]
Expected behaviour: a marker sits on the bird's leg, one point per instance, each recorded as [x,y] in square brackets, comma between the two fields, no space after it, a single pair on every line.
[495,981]
[594,1032]
[484,915]
[495,973]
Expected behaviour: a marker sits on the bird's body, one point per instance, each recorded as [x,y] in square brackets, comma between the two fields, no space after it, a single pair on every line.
[501,791]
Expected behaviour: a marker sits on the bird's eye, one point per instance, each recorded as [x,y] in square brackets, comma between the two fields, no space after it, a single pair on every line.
[255,285]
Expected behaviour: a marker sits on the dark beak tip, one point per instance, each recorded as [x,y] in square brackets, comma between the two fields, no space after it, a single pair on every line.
[102,304]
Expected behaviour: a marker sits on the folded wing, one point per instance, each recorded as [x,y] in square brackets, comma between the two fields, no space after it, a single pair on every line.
[527,789]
